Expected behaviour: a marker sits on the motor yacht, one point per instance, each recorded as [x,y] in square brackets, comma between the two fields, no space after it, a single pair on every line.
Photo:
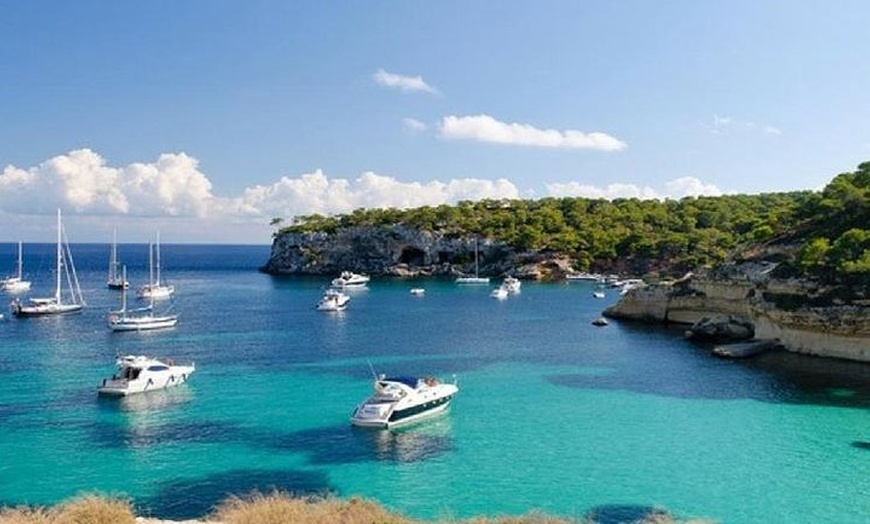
[350,279]
[402,400]
[500,292]
[138,374]
[333,300]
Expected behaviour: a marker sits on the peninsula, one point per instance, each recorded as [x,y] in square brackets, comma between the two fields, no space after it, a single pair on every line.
[790,268]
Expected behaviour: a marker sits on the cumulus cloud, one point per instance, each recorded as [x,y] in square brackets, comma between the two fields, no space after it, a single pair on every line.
[484,128]
[408,84]
[316,193]
[81,180]
[676,189]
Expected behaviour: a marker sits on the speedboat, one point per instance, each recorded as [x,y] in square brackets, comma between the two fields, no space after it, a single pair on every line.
[350,279]
[418,291]
[511,284]
[138,374]
[402,400]
[333,300]
[598,293]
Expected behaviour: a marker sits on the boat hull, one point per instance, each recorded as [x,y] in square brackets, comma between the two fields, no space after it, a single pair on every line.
[405,416]
[175,376]
[142,324]
[44,311]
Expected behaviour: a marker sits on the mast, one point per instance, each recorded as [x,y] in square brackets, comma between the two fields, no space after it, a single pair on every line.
[151,267]
[113,258]
[158,259]
[475,259]
[124,293]
[59,261]
[19,260]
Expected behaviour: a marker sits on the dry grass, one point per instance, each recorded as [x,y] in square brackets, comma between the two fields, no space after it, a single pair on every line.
[273,508]
[86,509]
[281,508]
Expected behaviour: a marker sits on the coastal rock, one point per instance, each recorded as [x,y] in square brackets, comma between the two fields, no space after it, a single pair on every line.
[743,301]
[403,251]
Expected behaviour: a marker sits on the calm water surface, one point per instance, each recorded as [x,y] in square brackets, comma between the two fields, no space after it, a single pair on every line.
[553,414]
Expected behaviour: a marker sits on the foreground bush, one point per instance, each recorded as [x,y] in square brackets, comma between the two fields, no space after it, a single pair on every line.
[278,508]
[88,509]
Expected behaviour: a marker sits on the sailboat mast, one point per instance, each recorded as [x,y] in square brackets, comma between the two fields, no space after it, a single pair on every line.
[113,258]
[19,261]
[151,266]
[124,292]
[59,260]
[158,259]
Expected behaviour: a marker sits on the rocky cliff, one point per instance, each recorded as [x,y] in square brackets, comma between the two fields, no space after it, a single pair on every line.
[399,250]
[744,300]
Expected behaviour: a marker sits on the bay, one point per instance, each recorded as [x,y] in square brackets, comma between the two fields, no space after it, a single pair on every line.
[553,414]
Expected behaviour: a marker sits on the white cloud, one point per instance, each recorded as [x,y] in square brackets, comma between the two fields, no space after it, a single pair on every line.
[414,125]
[725,124]
[484,128]
[408,84]
[316,193]
[675,189]
[81,181]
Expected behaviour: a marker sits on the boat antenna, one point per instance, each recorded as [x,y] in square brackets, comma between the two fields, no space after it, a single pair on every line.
[372,368]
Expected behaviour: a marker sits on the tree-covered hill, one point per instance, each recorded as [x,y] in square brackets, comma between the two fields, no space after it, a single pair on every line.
[828,229]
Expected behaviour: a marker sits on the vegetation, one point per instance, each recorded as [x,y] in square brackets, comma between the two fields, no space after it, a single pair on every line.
[274,508]
[643,236]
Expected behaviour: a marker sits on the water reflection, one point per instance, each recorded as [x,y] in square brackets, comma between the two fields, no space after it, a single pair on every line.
[411,444]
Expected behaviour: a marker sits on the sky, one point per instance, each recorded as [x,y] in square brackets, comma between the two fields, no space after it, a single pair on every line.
[206,119]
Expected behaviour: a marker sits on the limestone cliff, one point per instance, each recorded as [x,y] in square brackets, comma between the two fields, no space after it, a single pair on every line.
[398,250]
[773,309]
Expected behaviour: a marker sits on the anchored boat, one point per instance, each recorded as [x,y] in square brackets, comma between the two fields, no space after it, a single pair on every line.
[402,400]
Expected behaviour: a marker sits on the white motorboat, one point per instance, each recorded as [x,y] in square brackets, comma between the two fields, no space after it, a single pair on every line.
[154,289]
[138,374]
[500,293]
[402,400]
[140,319]
[598,293]
[418,291]
[512,285]
[17,284]
[55,305]
[350,279]
[333,300]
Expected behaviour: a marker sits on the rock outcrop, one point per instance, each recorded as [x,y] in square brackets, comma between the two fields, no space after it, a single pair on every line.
[738,301]
[404,251]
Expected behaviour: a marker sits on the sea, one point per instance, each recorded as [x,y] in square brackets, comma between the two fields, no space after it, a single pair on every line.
[554,415]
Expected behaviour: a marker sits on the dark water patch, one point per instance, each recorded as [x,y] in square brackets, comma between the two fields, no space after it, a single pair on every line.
[817,380]
[196,497]
[627,514]
[861,444]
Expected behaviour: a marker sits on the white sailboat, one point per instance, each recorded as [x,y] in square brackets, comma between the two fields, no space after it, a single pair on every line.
[476,279]
[55,305]
[17,284]
[154,289]
[140,319]
[114,280]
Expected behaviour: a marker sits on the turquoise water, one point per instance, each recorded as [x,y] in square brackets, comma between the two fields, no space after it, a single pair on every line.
[553,414]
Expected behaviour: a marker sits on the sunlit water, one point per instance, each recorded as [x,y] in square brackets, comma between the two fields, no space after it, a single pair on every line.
[554,414]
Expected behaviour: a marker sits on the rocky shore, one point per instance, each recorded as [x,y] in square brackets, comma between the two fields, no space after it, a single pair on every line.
[743,301]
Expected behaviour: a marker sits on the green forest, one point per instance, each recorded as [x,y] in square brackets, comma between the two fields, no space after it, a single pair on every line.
[828,229]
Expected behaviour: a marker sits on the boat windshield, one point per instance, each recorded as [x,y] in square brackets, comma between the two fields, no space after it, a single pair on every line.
[158,368]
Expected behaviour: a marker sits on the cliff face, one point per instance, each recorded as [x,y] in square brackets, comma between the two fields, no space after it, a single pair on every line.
[403,251]
[773,309]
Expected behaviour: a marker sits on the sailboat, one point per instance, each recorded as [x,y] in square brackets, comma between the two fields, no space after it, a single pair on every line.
[138,319]
[55,305]
[114,281]
[154,289]
[476,279]
[16,284]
